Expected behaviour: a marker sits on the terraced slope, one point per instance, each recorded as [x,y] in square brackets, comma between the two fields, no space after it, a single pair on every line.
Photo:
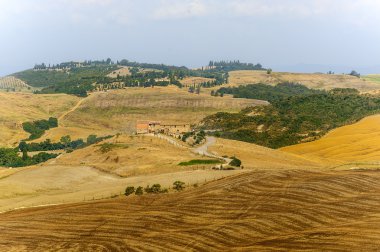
[294,210]
[11,83]
[357,144]
[318,81]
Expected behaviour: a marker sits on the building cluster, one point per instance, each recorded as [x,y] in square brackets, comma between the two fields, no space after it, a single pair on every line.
[156,127]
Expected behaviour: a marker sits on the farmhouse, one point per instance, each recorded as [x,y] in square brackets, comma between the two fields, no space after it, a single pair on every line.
[145,127]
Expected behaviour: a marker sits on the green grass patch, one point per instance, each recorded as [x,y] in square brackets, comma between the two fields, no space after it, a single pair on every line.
[200,162]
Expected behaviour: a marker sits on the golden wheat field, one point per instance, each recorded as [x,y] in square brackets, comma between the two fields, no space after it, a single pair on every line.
[288,210]
[317,80]
[357,144]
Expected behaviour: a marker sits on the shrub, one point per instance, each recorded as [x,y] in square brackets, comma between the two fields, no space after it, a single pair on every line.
[129,190]
[156,188]
[179,185]
[139,191]
[235,162]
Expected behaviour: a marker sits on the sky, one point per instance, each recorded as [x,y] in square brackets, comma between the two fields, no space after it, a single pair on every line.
[286,35]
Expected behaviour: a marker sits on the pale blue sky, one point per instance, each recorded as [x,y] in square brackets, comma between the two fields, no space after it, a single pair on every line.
[303,35]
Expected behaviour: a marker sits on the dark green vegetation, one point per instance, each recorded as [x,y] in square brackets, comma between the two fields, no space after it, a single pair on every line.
[64,143]
[11,158]
[291,119]
[267,92]
[198,137]
[38,128]
[78,78]
[75,80]
[234,66]
[200,162]
[235,162]
[179,185]
[155,189]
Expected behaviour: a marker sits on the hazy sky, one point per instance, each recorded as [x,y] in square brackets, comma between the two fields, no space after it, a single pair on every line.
[284,34]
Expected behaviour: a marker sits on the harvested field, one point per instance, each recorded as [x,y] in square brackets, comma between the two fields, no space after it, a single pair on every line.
[356,143]
[288,210]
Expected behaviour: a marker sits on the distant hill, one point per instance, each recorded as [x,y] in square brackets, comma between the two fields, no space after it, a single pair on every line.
[316,80]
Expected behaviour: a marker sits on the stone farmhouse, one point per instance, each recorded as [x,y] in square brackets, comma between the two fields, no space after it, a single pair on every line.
[156,127]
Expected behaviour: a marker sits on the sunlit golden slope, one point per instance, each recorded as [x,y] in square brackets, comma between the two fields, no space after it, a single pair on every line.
[359,142]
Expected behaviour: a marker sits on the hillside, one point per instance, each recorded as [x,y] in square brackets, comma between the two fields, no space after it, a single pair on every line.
[258,157]
[357,144]
[129,156]
[289,210]
[302,117]
[16,108]
[11,83]
[118,110]
[316,81]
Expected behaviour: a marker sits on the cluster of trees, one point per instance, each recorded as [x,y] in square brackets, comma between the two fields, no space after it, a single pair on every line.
[354,73]
[78,78]
[154,189]
[37,128]
[9,157]
[64,143]
[72,64]
[291,119]
[267,92]
[197,137]
[234,65]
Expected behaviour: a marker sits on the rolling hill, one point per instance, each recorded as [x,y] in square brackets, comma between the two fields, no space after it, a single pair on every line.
[357,144]
[316,81]
[118,110]
[291,210]
[16,108]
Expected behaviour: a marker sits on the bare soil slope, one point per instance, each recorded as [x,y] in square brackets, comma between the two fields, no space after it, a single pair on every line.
[284,210]
[356,143]
[318,81]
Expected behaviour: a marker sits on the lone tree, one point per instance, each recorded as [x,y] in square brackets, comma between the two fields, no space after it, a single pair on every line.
[129,190]
[179,185]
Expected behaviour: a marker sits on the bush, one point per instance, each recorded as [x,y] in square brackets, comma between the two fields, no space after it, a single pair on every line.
[235,162]
[156,188]
[179,185]
[139,191]
[129,190]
